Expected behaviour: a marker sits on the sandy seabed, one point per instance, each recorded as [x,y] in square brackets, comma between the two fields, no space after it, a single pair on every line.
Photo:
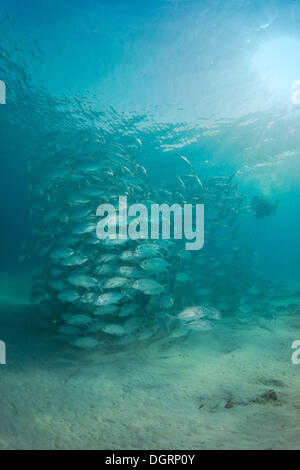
[232,388]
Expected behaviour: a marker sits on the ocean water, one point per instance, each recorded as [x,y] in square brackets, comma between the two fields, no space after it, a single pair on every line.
[143,344]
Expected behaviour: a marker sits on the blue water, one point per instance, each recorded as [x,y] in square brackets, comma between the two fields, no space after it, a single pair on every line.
[211,81]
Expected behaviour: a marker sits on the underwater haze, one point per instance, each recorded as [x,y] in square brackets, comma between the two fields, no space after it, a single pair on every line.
[151,340]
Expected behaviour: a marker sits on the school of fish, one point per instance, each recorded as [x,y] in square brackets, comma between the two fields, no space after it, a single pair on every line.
[97,293]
